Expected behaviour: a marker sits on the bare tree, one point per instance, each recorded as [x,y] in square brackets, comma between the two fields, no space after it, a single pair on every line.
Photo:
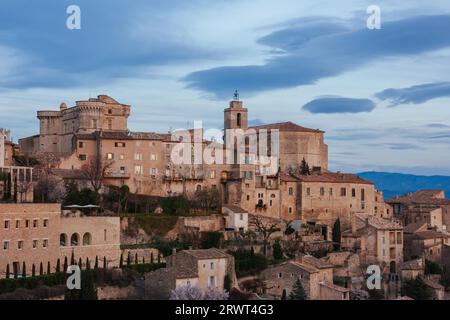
[46,181]
[95,171]
[266,228]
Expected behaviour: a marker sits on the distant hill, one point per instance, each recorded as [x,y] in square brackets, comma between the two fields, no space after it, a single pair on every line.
[393,184]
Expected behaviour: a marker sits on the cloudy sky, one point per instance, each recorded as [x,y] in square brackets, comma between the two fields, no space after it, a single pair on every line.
[382,96]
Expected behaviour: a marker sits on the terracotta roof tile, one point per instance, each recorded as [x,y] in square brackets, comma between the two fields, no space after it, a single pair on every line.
[286,126]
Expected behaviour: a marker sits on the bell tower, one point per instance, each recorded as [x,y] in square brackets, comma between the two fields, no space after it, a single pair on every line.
[236,116]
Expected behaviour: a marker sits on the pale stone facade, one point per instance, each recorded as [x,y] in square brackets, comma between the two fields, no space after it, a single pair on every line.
[376,240]
[315,275]
[16,183]
[42,233]
[202,268]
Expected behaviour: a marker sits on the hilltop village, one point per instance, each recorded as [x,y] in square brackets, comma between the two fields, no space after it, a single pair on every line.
[274,223]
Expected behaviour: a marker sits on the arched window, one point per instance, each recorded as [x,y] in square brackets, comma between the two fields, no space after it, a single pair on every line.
[87,239]
[63,240]
[239,120]
[199,187]
[74,239]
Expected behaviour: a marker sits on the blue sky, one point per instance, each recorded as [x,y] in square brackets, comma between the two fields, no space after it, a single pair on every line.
[382,96]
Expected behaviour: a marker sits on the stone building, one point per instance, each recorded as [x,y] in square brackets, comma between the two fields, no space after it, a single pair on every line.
[423,240]
[16,182]
[262,183]
[202,268]
[33,233]
[423,205]
[376,240]
[315,275]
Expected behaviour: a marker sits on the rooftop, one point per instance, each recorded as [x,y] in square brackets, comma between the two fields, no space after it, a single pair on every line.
[433,197]
[286,127]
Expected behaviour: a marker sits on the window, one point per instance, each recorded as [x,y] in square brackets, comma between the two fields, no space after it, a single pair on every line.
[212,174]
[5,245]
[17,224]
[45,243]
[63,240]
[27,223]
[104,234]
[138,170]
[20,244]
[45,223]
[110,156]
[119,144]
[94,123]
[211,266]
[211,281]
[87,239]
[153,157]
[290,210]
[74,239]
[35,223]
[308,191]
[138,156]
[291,191]
[353,192]
[123,170]
[241,216]
[81,144]
[248,197]
[153,172]
[35,244]
[399,237]
[109,111]
[82,157]
[280,275]
[331,191]
[7,222]
[121,157]
[322,191]
[363,195]
[343,192]
[270,202]
[239,120]
[110,124]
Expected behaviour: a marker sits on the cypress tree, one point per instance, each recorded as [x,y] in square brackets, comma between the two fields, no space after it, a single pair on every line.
[159,257]
[96,263]
[80,263]
[337,235]
[298,293]
[41,269]
[33,270]
[283,296]
[104,262]
[277,251]
[143,260]
[72,258]
[24,270]
[48,268]
[136,261]
[151,257]
[121,261]
[128,259]
[65,264]
[7,271]
[58,266]
[88,264]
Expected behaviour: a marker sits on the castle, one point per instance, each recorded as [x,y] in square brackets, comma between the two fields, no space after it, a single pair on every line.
[97,128]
